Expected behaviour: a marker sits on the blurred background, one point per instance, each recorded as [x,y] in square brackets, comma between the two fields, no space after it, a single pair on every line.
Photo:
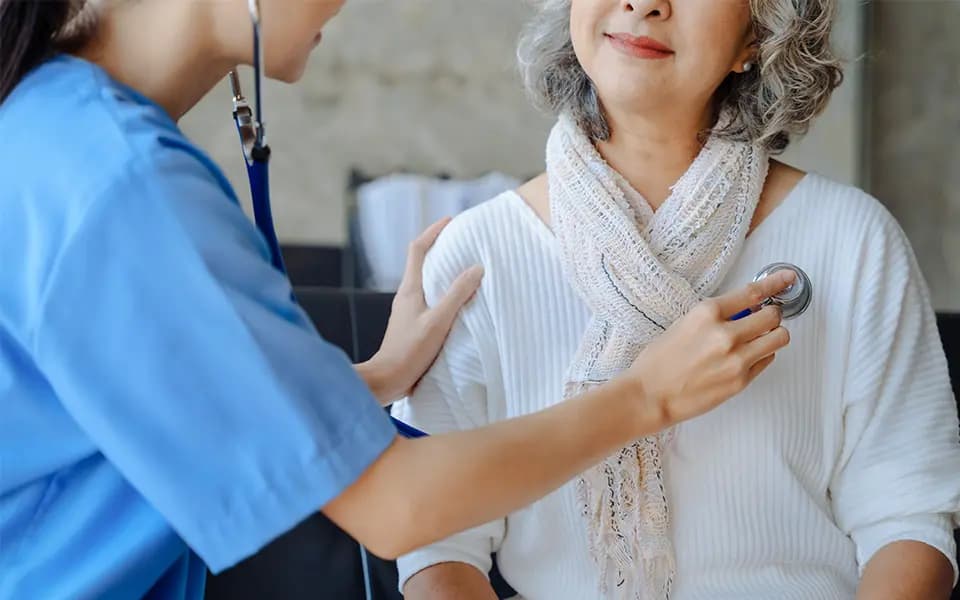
[413,109]
[429,88]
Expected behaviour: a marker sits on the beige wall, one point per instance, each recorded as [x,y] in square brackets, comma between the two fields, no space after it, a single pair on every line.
[430,86]
[834,145]
[915,145]
[419,85]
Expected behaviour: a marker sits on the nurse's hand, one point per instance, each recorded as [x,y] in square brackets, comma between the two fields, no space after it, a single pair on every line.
[704,358]
[416,333]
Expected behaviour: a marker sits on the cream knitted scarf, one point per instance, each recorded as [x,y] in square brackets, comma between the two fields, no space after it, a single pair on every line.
[638,272]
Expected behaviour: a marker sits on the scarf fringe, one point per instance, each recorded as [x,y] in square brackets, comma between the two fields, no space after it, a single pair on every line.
[639,271]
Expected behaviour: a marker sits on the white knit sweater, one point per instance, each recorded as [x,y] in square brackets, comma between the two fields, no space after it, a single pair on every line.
[849,441]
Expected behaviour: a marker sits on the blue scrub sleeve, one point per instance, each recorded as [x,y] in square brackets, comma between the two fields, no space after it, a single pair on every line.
[176,346]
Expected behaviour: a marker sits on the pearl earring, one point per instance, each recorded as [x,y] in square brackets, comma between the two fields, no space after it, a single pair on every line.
[747,66]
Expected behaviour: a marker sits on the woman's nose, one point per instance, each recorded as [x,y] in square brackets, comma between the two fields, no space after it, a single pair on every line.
[648,8]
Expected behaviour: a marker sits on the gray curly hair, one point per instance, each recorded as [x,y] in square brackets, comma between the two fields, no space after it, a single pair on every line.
[797,72]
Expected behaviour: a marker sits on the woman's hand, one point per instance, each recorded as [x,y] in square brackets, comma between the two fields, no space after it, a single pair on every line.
[415,333]
[704,358]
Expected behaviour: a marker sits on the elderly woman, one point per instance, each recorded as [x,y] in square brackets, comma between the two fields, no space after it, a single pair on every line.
[837,471]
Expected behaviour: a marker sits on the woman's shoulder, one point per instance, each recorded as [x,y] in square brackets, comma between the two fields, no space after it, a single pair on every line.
[841,225]
[500,218]
[827,212]
[842,203]
[478,236]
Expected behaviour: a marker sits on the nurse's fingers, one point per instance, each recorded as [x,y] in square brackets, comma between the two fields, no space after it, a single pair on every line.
[765,346]
[753,294]
[760,367]
[462,290]
[417,253]
[763,321]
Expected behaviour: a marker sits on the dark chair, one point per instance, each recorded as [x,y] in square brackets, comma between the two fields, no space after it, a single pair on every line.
[325,266]
[317,559]
[949,325]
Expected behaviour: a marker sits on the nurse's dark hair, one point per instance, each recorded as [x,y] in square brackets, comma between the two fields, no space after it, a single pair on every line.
[29,31]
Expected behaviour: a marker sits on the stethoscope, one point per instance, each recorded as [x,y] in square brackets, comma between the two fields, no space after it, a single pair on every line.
[256,156]
[793,301]
[253,140]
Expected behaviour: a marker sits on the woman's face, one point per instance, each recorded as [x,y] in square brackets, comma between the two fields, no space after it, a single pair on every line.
[291,30]
[660,54]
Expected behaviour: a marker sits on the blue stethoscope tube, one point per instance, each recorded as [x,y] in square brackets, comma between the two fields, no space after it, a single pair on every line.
[408,431]
[259,174]
[256,153]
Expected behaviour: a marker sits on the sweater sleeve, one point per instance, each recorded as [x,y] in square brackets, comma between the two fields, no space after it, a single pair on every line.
[454,395]
[898,476]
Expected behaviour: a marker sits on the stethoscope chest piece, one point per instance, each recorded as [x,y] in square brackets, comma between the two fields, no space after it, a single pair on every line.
[794,300]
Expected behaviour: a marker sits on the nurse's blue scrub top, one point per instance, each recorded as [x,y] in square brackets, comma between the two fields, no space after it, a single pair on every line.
[164,403]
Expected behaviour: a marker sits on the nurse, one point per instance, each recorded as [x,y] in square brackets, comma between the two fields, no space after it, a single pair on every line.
[165,405]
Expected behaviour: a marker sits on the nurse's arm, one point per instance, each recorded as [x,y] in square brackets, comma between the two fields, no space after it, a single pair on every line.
[420,491]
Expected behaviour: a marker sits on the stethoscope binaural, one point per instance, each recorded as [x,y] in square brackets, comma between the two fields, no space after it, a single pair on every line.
[793,301]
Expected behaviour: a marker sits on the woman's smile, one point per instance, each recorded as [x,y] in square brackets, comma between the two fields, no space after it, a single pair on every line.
[639,46]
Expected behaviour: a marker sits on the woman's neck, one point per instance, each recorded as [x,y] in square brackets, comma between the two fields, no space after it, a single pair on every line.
[164,53]
[653,153]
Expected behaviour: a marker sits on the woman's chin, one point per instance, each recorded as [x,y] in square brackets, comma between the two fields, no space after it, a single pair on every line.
[634,100]
[630,88]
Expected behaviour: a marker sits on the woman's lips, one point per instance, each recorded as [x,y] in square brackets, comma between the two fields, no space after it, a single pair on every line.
[641,47]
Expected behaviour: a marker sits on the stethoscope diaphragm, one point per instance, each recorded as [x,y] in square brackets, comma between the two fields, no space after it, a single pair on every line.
[794,300]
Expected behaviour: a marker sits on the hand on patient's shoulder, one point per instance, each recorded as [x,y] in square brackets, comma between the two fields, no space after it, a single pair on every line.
[416,333]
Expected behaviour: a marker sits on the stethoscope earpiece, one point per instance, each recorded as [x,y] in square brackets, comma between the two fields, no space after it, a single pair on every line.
[794,300]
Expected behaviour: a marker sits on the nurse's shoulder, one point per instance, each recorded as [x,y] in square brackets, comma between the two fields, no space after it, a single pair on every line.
[69,129]
[81,150]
